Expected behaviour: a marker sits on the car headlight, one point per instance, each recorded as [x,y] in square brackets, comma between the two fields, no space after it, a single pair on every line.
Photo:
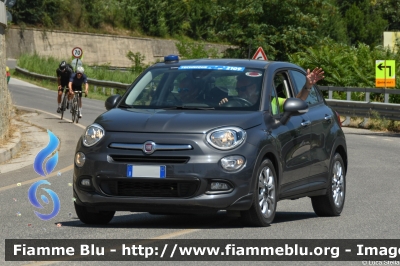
[226,138]
[93,134]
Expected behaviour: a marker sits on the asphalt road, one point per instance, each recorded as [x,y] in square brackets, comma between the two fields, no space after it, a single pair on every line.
[371,208]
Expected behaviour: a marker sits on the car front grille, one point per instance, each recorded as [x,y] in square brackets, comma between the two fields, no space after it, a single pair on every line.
[150,188]
[150,159]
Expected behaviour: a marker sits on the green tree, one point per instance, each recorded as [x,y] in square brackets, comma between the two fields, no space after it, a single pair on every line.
[280,27]
[130,15]
[24,14]
[333,25]
[200,19]
[365,22]
[151,14]
[391,12]
[95,11]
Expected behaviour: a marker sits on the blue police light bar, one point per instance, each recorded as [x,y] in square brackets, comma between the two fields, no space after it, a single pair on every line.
[171,58]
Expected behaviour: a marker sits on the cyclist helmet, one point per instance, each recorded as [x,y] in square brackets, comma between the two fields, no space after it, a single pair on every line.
[80,70]
[63,65]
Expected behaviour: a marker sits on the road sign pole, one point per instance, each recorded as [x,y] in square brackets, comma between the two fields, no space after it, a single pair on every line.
[77,52]
[385,74]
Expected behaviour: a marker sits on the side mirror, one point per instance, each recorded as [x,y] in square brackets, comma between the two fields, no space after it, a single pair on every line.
[293,107]
[112,101]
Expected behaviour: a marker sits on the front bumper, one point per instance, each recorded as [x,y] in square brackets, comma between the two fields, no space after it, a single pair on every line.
[185,189]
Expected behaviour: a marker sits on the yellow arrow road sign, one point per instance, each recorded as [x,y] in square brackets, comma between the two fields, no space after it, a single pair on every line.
[385,73]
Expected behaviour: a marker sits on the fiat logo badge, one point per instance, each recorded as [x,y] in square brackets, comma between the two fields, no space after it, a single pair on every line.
[149,147]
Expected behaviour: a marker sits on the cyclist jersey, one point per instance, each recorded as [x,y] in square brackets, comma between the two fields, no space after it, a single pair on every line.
[64,75]
[77,83]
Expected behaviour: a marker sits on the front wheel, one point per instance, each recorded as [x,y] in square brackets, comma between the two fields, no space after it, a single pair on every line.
[63,106]
[77,114]
[74,109]
[332,203]
[262,211]
[93,218]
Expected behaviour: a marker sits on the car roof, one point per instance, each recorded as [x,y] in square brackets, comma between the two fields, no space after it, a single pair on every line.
[248,63]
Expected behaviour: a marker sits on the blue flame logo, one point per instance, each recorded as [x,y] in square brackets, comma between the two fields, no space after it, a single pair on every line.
[35,202]
[39,165]
[44,167]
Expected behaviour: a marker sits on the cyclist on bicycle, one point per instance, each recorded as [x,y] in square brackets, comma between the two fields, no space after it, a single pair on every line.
[75,84]
[64,72]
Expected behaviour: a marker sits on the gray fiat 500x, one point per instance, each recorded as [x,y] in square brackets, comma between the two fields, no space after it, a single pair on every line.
[194,136]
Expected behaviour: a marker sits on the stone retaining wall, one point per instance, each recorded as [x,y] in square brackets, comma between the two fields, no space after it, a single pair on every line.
[97,49]
[5,99]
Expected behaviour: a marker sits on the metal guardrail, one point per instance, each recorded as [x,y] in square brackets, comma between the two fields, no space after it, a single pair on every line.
[345,108]
[365,108]
[95,82]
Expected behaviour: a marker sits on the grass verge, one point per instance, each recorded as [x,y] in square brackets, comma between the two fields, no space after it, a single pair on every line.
[375,123]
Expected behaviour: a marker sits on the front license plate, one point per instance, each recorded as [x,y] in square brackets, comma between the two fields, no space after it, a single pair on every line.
[146,171]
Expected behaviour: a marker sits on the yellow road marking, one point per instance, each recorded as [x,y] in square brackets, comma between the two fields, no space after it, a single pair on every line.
[41,177]
[27,182]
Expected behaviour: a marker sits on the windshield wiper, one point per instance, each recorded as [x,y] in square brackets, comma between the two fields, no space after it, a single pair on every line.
[123,105]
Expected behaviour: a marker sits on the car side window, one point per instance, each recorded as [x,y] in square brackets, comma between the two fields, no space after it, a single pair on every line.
[299,80]
[281,91]
[274,102]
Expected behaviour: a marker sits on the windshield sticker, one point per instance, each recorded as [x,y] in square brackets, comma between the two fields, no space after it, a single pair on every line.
[231,68]
[253,74]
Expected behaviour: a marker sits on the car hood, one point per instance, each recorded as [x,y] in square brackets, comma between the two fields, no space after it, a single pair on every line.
[175,121]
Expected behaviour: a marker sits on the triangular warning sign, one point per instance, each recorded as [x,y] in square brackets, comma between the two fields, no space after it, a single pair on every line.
[259,54]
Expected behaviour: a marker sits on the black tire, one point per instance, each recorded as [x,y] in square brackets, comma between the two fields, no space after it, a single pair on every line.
[262,211]
[63,105]
[77,113]
[86,217]
[332,203]
[74,108]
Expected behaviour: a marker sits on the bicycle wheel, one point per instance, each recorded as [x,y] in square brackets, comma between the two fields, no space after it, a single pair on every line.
[77,111]
[74,109]
[63,105]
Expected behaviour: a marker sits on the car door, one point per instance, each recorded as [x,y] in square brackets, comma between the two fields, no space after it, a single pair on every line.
[321,117]
[293,140]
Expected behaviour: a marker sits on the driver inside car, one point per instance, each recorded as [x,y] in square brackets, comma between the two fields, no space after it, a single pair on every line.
[247,89]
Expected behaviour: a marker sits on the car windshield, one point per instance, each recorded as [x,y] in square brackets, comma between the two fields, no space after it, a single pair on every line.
[197,87]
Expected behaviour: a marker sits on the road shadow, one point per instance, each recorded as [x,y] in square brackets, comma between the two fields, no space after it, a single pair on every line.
[219,220]
[283,217]
[63,121]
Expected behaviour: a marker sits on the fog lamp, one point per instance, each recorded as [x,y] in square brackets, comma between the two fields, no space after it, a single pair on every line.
[233,163]
[85,182]
[220,186]
[80,159]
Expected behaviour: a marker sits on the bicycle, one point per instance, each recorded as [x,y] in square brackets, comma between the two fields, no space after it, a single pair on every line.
[75,107]
[64,103]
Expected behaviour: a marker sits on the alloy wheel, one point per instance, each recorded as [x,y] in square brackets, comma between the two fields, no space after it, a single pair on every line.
[337,184]
[266,192]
